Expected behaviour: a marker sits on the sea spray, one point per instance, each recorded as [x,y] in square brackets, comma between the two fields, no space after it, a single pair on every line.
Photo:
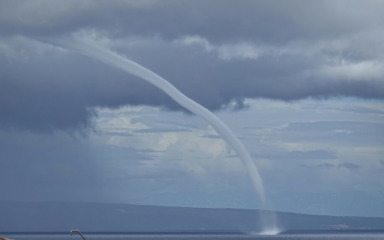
[91,49]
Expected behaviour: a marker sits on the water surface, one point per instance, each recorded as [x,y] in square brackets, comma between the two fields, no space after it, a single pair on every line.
[164,236]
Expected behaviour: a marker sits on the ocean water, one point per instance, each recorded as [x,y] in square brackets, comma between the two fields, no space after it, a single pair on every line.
[285,236]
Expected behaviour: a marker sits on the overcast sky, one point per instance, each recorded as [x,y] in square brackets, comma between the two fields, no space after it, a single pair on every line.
[301,83]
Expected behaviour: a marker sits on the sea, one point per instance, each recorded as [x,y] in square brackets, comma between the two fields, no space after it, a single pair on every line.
[307,235]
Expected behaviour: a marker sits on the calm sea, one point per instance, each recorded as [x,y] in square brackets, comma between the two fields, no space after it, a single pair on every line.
[296,235]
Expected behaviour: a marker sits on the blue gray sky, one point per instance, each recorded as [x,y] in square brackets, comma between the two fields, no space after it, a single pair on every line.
[300,83]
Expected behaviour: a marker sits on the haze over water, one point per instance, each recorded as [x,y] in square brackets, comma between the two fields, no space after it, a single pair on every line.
[295,236]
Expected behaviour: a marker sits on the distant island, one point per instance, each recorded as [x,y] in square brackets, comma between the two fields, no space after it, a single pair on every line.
[128,218]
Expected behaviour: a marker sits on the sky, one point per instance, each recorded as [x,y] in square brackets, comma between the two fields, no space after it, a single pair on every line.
[301,84]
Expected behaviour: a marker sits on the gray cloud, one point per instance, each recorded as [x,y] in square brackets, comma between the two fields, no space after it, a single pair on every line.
[349,166]
[161,130]
[326,166]
[211,136]
[218,20]
[314,154]
[262,49]
[346,165]
[299,155]
[353,133]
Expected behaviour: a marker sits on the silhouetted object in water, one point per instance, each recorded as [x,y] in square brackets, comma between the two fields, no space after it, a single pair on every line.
[72,231]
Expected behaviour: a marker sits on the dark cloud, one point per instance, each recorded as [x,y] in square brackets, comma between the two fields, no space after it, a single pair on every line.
[346,165]
[216,19]
[116,134]
[306,50]
[349,166]
[326,166]
[45,93]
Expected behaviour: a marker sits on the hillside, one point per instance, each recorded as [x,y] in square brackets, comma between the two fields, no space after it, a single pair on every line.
[99,217]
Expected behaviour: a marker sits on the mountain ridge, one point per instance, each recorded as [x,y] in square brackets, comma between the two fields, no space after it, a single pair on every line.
[115,217]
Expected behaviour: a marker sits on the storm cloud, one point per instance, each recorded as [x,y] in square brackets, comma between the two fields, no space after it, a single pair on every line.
[217,52]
